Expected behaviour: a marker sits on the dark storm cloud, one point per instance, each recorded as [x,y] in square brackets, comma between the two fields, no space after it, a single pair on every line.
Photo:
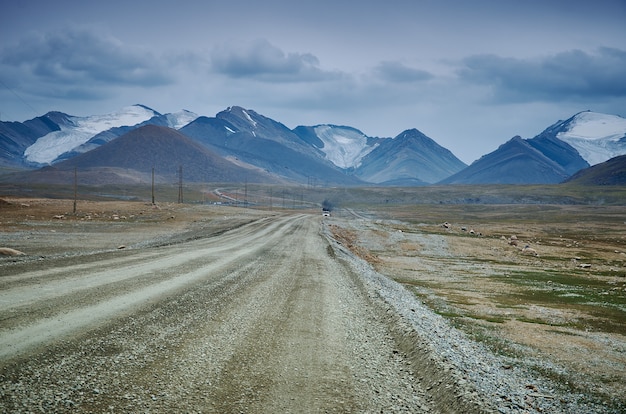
[263,61]
[80,60]
[400,73]
[573,74]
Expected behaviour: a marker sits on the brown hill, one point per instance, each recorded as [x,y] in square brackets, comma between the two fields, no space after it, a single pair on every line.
[611,172]
[131,157]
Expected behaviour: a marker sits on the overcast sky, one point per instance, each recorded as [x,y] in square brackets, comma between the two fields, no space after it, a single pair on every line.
[470,74]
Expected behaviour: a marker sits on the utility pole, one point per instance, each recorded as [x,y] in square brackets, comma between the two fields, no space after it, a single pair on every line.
[180,184]
[153,185]
[75,188]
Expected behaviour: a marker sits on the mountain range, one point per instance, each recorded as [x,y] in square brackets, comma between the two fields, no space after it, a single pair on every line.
[558,152]
[239,144]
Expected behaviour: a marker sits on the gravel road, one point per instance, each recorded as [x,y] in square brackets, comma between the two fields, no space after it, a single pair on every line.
[254,312]
[263,318]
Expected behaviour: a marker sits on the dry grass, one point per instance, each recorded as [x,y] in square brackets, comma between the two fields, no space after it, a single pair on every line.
[44,227]
[566,305]
[349,239]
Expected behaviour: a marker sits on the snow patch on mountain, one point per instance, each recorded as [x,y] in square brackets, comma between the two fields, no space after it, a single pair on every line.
[81,129]
[177,120]
[597,137]
[345,147]
[237,111]
[249,118]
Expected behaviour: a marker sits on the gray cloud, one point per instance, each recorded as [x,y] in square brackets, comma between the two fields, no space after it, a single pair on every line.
[81,60]
[573,74]
[263,61]
[400,73]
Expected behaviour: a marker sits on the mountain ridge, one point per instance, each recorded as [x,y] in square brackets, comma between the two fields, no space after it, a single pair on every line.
[514,162]
[610,172]
[409,157]
[267,144]
[573,144]
[323,153]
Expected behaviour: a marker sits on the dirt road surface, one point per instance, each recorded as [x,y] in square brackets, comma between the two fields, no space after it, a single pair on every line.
[258,317]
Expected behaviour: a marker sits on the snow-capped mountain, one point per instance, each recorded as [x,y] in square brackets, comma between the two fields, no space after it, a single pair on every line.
[80,129]
[81,134]
[15,137]
[255,140]
[561,150]
[343,146]
[597,137]
[255,125]
[177,120]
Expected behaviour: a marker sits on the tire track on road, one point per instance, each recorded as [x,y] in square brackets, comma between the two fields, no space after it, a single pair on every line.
[97,297]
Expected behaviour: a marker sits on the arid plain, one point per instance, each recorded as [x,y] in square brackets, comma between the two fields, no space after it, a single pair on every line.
[543,284]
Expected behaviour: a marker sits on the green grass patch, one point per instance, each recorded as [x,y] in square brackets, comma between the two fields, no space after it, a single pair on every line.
[487,335]
[605,309]
[526,278]
[562,332]
[488,318]
[536,321]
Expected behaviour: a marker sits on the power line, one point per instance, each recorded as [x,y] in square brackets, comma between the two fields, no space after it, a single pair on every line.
[20,98]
